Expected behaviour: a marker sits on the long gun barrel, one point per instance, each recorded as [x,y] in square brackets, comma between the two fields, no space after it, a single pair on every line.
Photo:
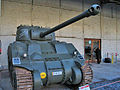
[93,10]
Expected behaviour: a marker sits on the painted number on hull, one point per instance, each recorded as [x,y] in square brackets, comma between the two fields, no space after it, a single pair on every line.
[57,73]
[16,60]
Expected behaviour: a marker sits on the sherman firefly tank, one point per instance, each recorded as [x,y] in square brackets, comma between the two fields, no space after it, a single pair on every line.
[36,59]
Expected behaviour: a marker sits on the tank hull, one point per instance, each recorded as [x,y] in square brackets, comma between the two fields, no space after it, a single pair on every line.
[42,66]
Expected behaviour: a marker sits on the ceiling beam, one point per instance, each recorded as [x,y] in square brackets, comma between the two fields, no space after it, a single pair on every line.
[110,1]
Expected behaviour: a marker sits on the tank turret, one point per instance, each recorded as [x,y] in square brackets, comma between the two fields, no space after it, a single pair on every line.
[39,33]
[36,59]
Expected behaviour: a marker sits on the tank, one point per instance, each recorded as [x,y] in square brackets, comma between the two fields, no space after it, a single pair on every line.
[36,59]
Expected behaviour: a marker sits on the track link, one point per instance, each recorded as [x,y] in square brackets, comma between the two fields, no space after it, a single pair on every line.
[87,74]
[23,79]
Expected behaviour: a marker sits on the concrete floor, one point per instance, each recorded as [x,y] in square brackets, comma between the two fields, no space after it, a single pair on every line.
[105,71]
[5,80]
[101,72]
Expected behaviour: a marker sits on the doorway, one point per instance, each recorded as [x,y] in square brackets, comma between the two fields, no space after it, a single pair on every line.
[89,49]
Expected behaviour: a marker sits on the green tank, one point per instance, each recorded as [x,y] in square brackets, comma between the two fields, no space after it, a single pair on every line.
[37,60]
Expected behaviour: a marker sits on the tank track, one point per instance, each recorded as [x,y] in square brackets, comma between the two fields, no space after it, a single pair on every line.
[87,74]
[23,79]
[25,82]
